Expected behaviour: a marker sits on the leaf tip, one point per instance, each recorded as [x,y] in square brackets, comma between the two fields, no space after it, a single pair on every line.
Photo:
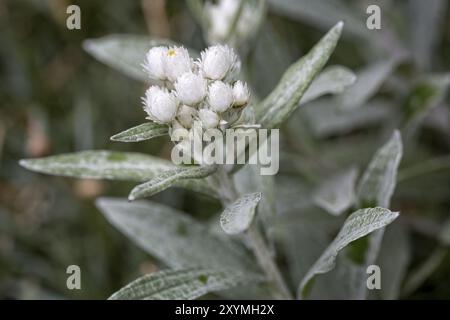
[24,163]
[88,45]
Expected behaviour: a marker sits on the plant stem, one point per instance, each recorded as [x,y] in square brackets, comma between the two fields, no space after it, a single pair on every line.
[265,259]
[257,243]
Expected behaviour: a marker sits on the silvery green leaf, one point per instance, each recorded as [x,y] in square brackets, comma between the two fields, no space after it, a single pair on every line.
[333,80]
[182,284]
[167,178]
[323,14]
[358,224]
[174,237]
[369,80]
[238,216]
[111,165]
[326,118]
[337,194]
[376,188]
[426,21]
[284,99]
[377,184]
[141,132]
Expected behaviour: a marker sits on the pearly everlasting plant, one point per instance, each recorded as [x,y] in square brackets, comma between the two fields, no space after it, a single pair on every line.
[188,94]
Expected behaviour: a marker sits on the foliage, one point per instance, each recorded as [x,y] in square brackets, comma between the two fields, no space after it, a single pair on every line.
[364,120]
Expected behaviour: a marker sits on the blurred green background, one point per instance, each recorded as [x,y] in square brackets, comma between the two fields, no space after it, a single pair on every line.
[55,98]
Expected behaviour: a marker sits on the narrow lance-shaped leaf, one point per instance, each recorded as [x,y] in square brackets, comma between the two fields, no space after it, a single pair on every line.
[183,284]
[237,217]
[325,117]
[111,165]
[332,80]
[375,188]
[167,178]
[425,28]
[357,225]
[285,97]
[378,181]
[174,237]
[369,80]
[141,132]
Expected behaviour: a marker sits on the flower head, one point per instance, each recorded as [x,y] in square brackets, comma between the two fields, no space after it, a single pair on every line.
[190,88]
[176,62]
[209,118]
[219,62]
[160,105]
[241,94]
[154,63]
[220,96]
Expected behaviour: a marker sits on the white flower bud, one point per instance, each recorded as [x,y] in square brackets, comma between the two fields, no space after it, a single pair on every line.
[154,63]
[220,96]
[160,105]
[191,88]
[219,62]
[241,94]
[209,118]
[176,62]
[186,116]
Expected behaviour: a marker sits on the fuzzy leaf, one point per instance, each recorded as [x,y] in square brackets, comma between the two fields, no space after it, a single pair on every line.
[237,217]
[284,99]
[332,80]
[325,117]
[426,22]
[173,236]
[378,181]
[167,178]
[338,193]
[111,165]
[141,132]
[183,284]
[358,224]
[369,80]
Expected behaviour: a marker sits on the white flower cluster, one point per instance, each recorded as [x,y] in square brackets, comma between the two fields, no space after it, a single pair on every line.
[205,90]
